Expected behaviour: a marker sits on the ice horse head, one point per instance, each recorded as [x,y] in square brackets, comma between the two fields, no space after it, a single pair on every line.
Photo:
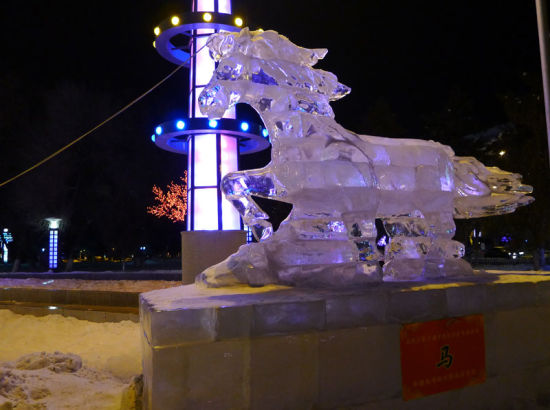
[359,201]
[261,66]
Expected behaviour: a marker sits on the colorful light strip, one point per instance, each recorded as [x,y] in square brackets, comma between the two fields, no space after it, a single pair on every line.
[52,259]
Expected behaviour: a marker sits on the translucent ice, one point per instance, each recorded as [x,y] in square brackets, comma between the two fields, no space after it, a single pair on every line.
[351,194]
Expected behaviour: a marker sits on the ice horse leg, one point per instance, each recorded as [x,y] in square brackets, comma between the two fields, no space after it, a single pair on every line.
[239,187]
[327,250]
[408,246]
[421,246]
[444,258]
[249,264]
[362,232]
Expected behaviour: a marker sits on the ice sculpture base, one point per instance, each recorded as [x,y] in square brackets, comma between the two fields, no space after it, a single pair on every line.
[277,347]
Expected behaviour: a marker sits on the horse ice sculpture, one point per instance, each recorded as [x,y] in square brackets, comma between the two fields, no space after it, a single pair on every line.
[339,183]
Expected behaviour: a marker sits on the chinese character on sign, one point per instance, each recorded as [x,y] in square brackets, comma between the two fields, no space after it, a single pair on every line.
[446,358]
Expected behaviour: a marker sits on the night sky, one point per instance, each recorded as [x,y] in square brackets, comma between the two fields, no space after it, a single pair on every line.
[407,57]
[409,53]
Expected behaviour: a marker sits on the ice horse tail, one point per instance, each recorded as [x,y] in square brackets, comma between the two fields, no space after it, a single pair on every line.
[485,191]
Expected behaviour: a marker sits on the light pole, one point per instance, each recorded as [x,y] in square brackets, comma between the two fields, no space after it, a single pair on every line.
[542,24]
[53,224]
[5,238]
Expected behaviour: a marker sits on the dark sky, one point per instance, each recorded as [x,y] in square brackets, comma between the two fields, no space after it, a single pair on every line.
[408,52]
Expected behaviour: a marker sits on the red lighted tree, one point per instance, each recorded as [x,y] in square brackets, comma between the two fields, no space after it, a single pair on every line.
[173,203]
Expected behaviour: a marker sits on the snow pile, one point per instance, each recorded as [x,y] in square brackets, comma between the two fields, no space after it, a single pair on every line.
[57,381]
[110,346]
[96,374]
[56,362]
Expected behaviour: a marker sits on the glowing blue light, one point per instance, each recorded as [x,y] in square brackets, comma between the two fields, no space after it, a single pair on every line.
[180,125]
[382,241]
[265,133]
[153,137]
[244,126]
[52,257]
[158,130]
[212,123]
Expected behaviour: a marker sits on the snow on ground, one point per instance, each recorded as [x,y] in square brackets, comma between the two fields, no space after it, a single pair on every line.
[110,355]
[82,284]
[112,346]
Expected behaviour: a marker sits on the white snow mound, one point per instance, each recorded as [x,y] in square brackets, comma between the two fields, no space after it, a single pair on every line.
[110,346]
[58,381]
[98,373]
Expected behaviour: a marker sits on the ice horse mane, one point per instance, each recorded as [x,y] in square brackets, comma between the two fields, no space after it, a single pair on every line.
[276,54]
[267,45]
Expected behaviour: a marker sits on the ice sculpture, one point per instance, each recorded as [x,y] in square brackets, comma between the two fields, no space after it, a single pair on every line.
[350,193]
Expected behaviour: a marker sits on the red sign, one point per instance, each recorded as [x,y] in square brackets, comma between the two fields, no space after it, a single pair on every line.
[442,355]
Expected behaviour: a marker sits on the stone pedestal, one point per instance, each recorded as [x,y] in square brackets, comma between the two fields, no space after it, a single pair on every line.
[201,249]
[282,348]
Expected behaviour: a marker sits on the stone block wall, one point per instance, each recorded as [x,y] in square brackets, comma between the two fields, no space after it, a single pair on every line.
[283,348]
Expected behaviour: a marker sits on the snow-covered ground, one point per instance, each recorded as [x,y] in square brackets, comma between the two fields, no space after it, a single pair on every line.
[81,284]
[110,355]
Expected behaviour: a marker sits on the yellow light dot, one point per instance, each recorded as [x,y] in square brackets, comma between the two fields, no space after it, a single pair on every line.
[155,44]
[175,20]
[207,17]
[156,31]
[501,153]
[238,22]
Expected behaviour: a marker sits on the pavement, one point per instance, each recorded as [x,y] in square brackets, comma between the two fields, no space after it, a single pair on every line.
[169,275]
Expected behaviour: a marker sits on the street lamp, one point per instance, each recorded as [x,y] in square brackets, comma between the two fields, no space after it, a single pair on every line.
[5,238]
[54,224]
[542,25]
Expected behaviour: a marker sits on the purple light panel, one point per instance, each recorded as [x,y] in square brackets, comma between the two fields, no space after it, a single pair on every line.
[52,257]
[206,173]
[205,64]
[206,208]
[224,6]
[229,162]
[205,5]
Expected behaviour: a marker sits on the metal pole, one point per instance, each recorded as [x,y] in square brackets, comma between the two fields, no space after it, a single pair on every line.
[543,46]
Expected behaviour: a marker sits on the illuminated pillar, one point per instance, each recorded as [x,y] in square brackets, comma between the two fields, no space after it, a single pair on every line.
[53,242]
[206,151]
[213,147]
